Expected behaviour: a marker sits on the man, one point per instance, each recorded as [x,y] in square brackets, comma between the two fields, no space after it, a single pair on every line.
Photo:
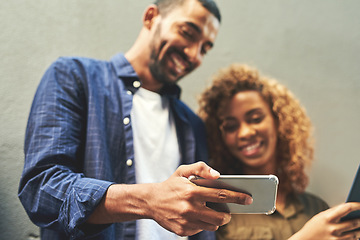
[96,128]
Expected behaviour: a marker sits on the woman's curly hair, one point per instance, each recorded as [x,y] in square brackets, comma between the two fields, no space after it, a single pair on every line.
[294,133]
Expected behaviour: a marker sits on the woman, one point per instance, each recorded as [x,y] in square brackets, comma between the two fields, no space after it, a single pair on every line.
[256,126]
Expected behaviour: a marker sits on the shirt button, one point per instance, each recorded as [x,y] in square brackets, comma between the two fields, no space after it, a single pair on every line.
[136,84]
[126,121]
[129,92]
[129,162]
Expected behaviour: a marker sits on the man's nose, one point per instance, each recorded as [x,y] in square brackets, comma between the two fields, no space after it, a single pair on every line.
[193,52]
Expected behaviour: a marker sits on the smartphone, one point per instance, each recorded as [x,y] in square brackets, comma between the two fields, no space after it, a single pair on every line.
[354,196]
[262,188]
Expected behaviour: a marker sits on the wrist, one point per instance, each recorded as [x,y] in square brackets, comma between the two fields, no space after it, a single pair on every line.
[123,202]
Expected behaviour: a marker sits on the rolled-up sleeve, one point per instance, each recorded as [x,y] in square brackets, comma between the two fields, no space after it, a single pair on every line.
[53,188]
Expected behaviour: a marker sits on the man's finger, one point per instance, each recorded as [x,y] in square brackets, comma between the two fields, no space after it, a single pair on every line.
[224,196]
[210,218]
[199,169]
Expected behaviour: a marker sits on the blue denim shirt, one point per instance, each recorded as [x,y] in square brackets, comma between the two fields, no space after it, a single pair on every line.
[77,144]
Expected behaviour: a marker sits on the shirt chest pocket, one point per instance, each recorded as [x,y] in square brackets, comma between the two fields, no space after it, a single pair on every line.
[248,233]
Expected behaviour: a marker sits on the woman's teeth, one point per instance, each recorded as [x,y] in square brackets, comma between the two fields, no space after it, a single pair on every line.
[251,147]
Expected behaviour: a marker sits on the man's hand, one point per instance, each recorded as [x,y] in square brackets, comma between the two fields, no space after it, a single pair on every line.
[327,225]
[176,204]
[180,206]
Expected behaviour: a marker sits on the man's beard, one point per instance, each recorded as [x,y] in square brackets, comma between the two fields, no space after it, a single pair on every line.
[158,68]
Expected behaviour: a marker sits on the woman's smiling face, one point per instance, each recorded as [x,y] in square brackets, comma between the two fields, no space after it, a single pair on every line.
[249,131]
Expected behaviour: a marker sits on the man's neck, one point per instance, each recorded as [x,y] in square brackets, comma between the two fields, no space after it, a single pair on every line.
[141,68]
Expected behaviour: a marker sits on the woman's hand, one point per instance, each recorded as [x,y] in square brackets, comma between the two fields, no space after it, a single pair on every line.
[327,225]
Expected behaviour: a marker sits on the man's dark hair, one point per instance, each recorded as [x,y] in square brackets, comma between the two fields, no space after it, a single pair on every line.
[166,6]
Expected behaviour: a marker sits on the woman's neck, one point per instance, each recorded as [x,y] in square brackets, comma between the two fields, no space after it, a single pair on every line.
[259,170]
[281,201]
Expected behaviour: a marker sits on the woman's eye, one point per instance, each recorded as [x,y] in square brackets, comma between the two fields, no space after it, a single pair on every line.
[229,127]
[257,119]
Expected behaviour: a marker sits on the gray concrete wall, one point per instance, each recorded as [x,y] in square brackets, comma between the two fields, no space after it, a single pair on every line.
[311,46]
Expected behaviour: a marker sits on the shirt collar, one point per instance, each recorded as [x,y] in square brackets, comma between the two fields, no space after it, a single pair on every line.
[293,206]
[122,66]
[127,74]
[171,90]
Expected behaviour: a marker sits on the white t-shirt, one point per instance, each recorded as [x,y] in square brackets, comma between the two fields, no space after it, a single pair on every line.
[156,150]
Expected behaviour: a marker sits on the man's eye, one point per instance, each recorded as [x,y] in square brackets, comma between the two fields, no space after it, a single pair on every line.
[186,33]
[204,51]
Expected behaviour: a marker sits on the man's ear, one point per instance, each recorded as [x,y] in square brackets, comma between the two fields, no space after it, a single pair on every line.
[150,14]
